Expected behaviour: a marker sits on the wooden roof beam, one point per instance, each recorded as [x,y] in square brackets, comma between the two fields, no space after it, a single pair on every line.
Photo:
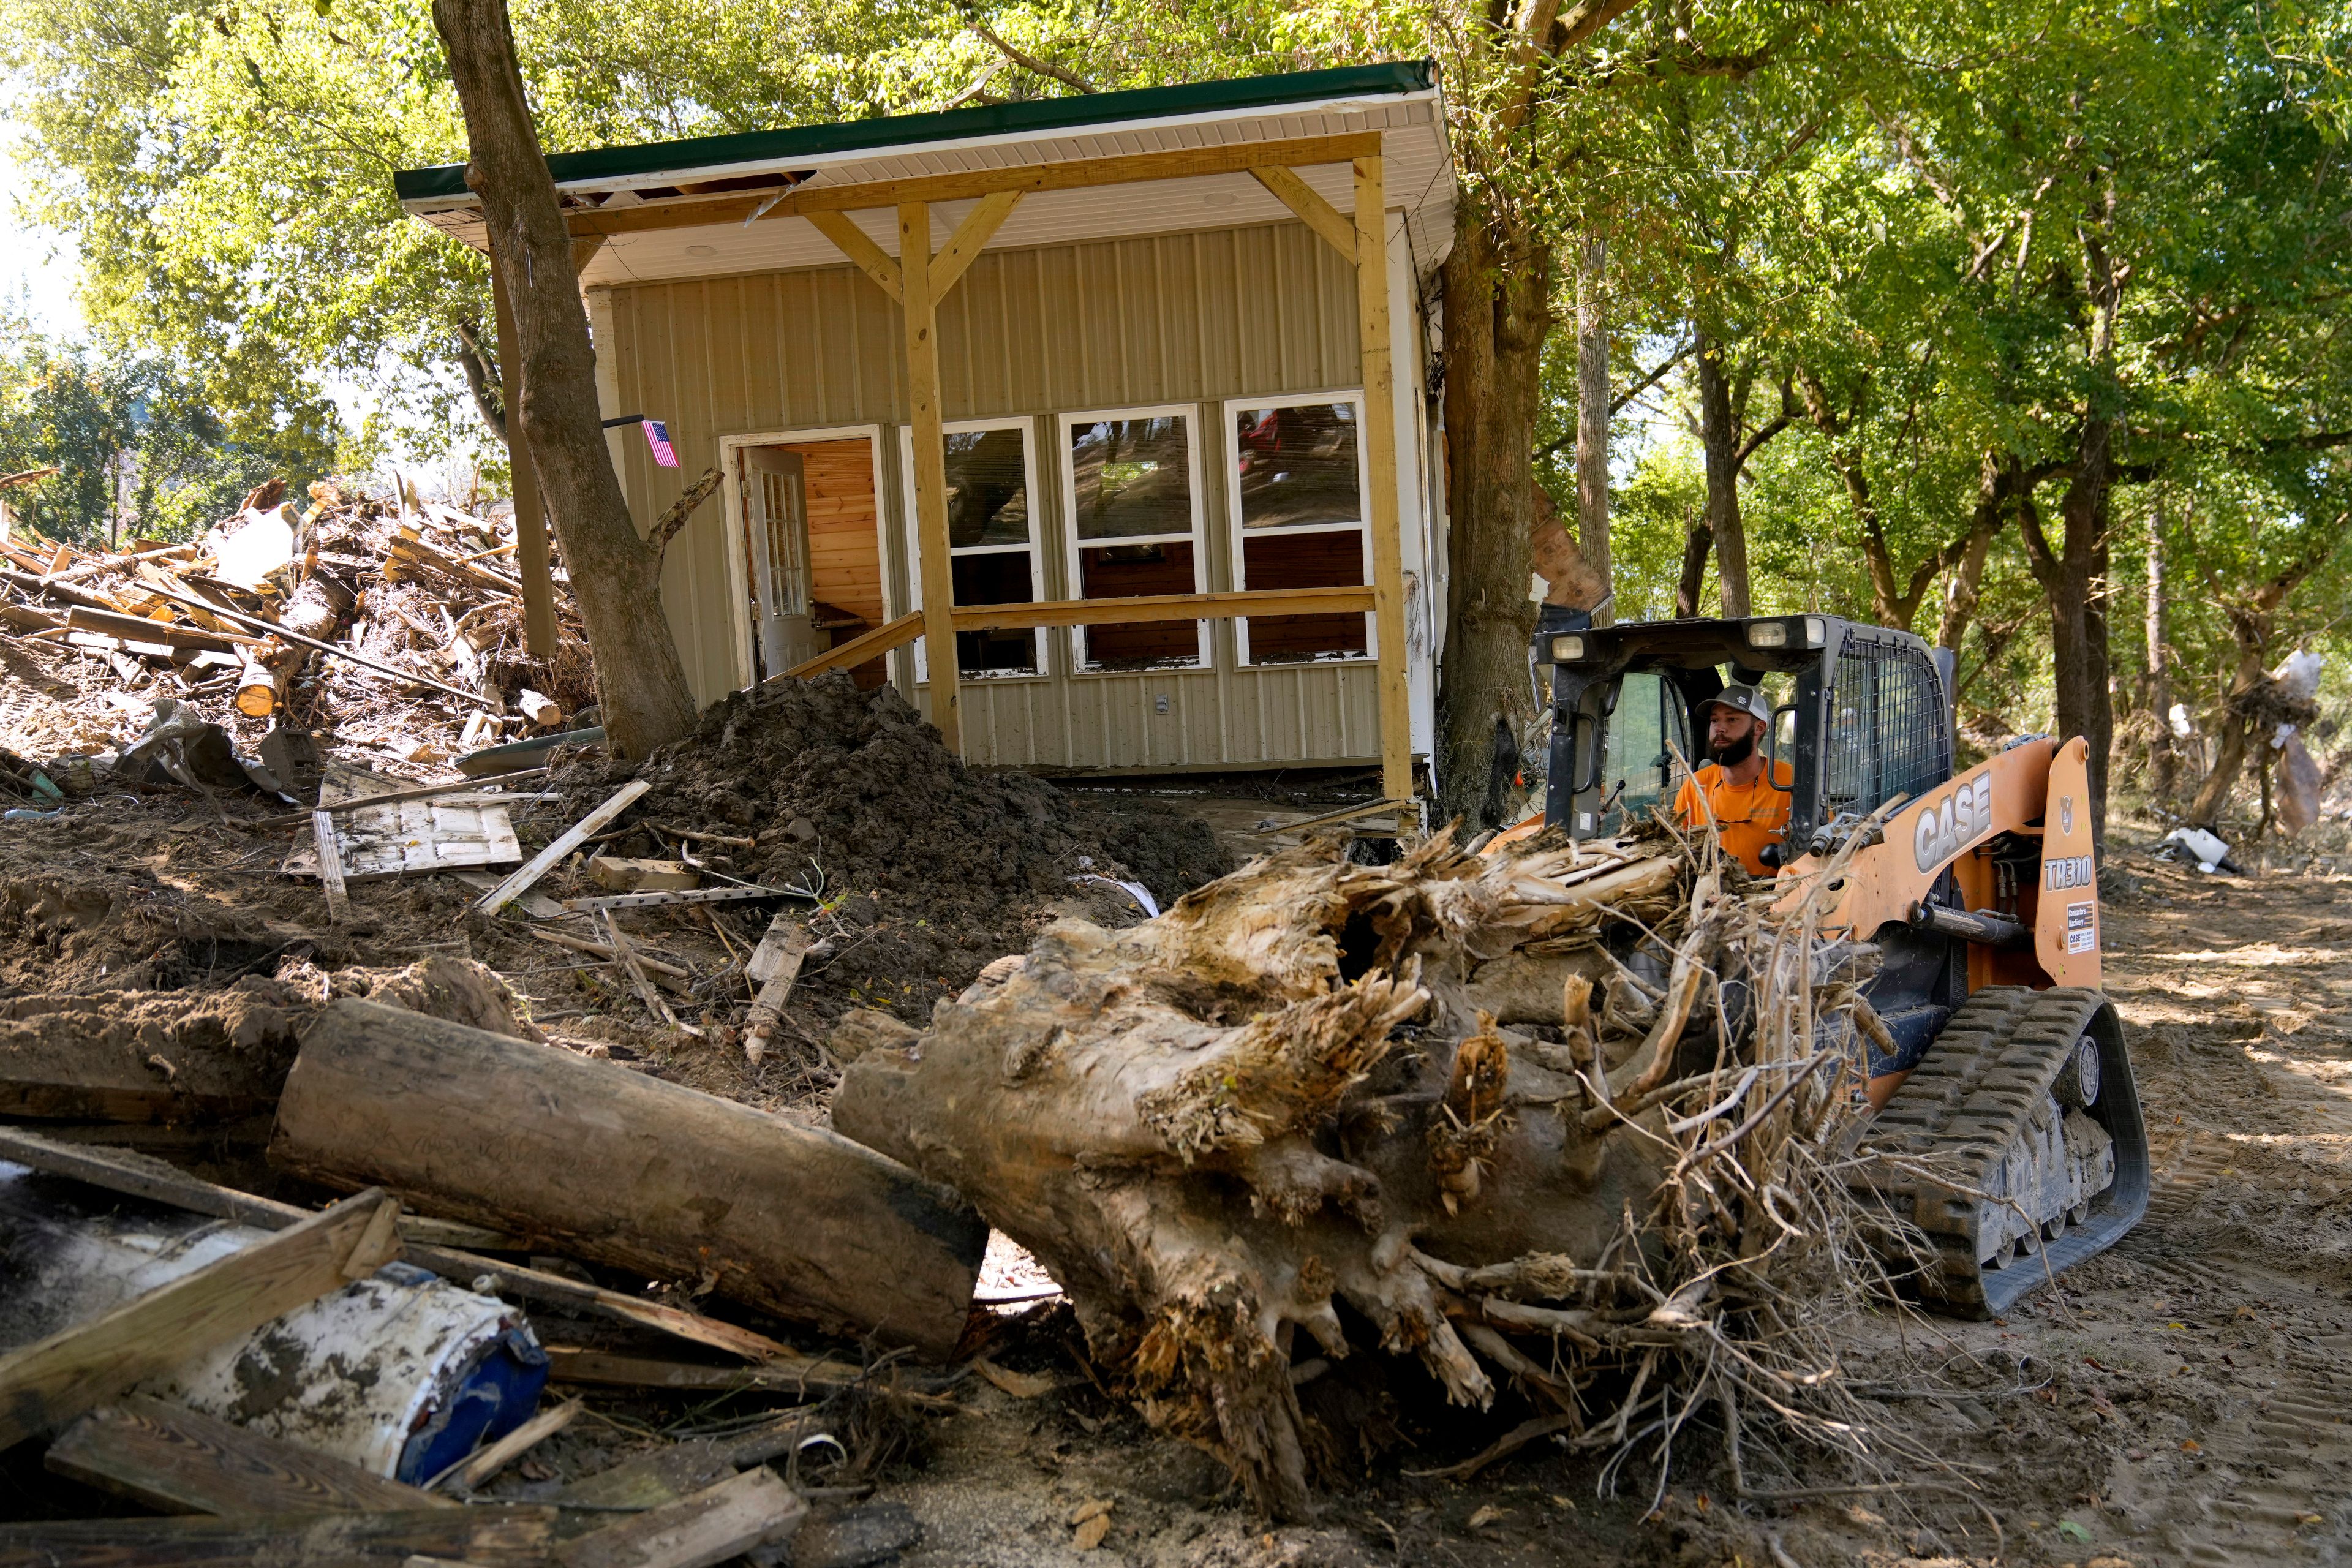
[1075,174]
[1318,215]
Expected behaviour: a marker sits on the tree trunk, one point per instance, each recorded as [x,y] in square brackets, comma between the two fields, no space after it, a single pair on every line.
[2163,762]
[1205,1127]
[1996,487]
[1592,403]
[2070,580]
[641,684]
[617,1168]
[1693,581]
[1497,289]
[1719,435]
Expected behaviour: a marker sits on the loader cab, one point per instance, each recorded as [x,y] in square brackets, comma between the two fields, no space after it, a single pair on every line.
[1859,713]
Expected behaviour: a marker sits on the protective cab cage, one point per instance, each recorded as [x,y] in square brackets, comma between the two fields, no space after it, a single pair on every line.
[1869,719]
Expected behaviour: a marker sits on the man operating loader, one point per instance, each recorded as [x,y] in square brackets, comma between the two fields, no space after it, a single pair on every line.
[1730,789]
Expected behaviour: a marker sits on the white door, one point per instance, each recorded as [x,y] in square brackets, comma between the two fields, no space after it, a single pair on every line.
[776,511]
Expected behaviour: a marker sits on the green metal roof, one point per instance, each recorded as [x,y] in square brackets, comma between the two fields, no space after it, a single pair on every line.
[953,125]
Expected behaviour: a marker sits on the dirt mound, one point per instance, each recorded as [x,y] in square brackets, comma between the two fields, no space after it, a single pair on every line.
[932,867]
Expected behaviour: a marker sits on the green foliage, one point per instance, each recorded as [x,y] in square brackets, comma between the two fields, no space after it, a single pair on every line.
[139,451]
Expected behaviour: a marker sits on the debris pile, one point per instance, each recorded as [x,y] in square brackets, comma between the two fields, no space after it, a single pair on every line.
[389,626]
[927,869]
[1324,1123]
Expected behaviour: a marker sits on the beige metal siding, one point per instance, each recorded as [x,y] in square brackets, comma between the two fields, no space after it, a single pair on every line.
[1191,317]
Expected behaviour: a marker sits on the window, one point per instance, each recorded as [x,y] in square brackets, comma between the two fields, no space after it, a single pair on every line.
[1133,486]
[1637,759]
[992,543]
[1298,522]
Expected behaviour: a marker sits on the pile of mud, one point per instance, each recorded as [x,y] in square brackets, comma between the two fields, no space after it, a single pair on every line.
[938,867]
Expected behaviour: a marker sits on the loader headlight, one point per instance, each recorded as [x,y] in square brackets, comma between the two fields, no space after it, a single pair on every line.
[1816,631]
[1769,634]
[1567,648]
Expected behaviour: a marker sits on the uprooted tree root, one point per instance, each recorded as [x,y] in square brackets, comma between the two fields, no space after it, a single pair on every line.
[1420,1110]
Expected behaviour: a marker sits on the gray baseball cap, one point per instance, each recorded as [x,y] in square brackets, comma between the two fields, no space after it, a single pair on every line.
[1745,699]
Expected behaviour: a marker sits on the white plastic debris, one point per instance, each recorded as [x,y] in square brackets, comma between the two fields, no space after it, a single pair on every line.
[2299,673]
[1136,891]
[262,543]
[2203,847]
[2183,726]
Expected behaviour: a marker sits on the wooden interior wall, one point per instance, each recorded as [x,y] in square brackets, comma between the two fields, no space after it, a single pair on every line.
[845,549]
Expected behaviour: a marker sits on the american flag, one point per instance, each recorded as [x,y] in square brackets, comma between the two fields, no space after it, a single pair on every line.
[658,438]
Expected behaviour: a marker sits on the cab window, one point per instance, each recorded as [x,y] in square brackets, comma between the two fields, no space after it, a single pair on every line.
[1636,758]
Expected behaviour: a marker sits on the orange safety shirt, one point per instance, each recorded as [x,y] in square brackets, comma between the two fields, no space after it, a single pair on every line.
[1749,817]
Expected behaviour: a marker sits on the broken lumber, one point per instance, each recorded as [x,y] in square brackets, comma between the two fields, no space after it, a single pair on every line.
[664,1474]
[289,634]
[684,895]
[160,1183]
[330,867]
[606,1369]
[746,1511]
[793,1220]
[54,1380]
[477,1468]
[178,1460]
[570,838]
[466,788]
[517,1534]
[772,967]
[624,875]
[112,624]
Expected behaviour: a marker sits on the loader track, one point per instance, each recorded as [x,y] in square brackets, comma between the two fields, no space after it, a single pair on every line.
[1971,1098]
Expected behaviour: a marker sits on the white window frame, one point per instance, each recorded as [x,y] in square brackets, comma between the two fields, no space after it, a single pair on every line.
[1035,547]
[739,561]
[1231,443]
[1063,426]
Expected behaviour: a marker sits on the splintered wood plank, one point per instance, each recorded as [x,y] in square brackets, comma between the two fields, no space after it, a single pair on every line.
[180,1460]
[572,837]
[696,1532]
[330,866]
[51,1381]
[606,1369]
[490,1536]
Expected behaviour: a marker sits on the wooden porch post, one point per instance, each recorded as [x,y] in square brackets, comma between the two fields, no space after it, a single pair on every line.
[531,518]
[1382,514]
[919,308]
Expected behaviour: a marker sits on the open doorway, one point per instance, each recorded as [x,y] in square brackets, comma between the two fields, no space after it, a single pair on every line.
[813,550]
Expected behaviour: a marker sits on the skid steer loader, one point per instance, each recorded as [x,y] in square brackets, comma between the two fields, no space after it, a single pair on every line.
[1978,895]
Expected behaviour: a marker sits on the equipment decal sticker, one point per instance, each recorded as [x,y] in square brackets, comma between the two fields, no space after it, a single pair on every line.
[2082,927]
[2068,871]
[1949,826]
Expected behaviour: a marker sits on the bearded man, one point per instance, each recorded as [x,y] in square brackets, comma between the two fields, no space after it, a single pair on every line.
[1730,791]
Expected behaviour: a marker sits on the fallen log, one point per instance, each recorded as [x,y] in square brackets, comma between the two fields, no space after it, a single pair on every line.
[614,1167]
[151,1057]
[1276,1125]
[516,1533]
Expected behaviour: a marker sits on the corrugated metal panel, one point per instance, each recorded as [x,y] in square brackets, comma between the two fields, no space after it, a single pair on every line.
[1192,316]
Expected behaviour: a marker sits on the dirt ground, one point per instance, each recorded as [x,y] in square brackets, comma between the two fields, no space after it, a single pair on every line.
[2181,1400]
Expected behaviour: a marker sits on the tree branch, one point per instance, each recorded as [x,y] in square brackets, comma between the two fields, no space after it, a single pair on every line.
[481,378]
[1024,60]
[1650,379]
[667,526]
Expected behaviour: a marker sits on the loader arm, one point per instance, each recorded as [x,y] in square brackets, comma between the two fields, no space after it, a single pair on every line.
[2035,790]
